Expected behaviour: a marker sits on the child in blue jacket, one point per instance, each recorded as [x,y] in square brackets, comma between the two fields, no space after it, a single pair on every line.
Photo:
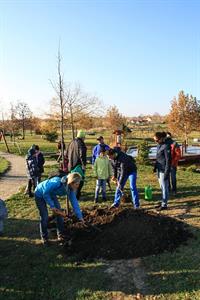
[46,193]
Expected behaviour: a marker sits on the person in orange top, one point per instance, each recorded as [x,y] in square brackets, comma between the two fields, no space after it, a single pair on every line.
[175,157]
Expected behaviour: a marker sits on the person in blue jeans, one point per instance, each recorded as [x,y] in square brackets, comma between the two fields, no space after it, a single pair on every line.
[103,172]
[124,168]
[46,194]
[162,167]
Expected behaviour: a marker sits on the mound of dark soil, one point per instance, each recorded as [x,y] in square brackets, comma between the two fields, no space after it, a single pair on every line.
[124,233]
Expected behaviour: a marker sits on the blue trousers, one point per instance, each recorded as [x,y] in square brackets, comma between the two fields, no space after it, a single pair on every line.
[42,207]
[100,184]
[134,192]
[164,185]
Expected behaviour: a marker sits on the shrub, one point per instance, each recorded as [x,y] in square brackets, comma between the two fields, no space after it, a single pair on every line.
[51,136]
[143,153]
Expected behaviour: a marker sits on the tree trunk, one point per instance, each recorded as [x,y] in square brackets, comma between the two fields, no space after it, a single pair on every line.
[23,129]
[72,123]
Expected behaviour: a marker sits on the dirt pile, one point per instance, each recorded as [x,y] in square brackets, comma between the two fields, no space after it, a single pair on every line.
[124,233]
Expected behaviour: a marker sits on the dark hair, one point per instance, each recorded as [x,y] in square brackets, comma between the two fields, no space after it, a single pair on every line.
[159,135]
[164,134]
[37,147]
[169,133]
[111,151]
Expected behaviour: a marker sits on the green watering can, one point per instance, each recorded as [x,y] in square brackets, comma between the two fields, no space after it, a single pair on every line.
[148,193]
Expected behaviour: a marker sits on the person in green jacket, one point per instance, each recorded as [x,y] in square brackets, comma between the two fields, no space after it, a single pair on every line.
[103,171]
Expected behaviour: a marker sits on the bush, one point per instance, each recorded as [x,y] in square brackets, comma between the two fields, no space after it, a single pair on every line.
[143,153]
[51,136]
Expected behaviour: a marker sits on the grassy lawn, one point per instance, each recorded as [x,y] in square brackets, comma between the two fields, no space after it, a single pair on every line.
[4,164]
[29,271]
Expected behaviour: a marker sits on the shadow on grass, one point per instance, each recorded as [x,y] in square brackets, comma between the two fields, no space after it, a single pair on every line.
[177,273]
[29,271]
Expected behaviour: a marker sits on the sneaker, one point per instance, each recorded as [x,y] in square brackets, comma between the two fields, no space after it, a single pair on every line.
[162,208]
[95,200]
[113,206]
[61,238]
[104,199]
[61,241]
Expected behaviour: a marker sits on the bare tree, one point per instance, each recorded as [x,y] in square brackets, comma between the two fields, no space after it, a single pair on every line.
[22,113]
[58,87]
[72,103]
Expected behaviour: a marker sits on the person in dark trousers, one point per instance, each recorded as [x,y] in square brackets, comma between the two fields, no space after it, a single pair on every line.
[175,157]
[77,156]
[162,167]
[46,194]
[124,168]
[40,162]
[32,171]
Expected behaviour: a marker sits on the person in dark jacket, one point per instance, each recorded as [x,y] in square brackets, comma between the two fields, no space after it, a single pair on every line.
[32,171]
[77,156]
[162,167]
[124,168]
[40,162]
[46,194]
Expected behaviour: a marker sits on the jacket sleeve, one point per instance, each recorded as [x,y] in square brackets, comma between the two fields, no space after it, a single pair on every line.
[178,153]
[42,159]
[94,155]
[123,174]
[110,170]
[114,168]
[82,150]
[95,168]
[167,161]
[75,204]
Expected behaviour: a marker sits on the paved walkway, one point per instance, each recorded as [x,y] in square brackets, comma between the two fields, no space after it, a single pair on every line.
[15,178]
[11,182]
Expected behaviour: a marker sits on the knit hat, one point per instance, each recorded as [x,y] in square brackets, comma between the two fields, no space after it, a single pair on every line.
[81,134]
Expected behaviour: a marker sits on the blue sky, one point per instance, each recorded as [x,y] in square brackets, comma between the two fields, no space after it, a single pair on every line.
[136,55]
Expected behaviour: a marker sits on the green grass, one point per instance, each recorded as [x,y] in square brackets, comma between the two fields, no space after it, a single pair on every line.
[4,165]
[28,271]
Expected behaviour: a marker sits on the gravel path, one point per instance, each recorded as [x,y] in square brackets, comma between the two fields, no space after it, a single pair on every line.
[11,182]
